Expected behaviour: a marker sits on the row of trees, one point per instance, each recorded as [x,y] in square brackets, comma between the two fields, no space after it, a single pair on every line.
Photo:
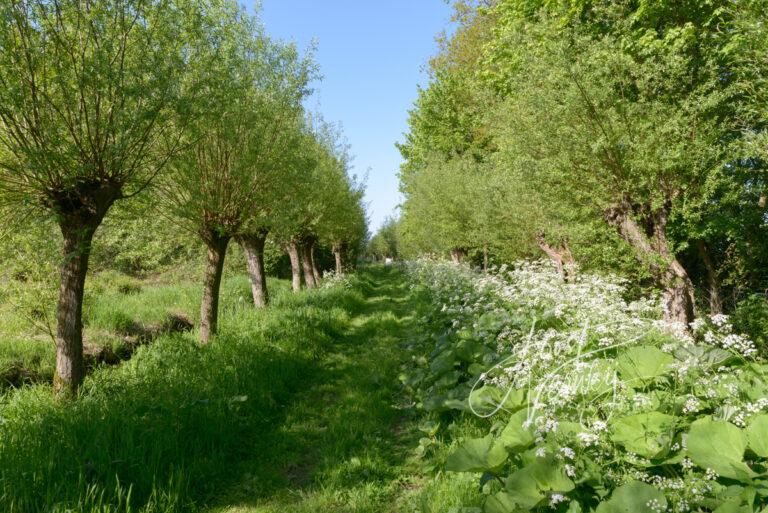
[611,133]
[185,102]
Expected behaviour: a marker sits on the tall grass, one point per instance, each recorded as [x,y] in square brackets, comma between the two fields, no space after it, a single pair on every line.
[161,432]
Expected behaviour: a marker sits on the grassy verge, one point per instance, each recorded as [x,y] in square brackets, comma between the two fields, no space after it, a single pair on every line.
[162,431]
[298,408]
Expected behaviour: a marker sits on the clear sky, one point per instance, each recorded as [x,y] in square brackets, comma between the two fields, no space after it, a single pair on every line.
[372,56]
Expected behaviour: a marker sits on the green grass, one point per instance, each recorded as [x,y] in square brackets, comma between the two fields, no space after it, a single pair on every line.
[297,408]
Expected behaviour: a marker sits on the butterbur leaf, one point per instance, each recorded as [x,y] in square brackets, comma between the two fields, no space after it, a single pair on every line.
[443,362]
[647,434]
[477,455]
[719,445]
[733,505]
[530,484]
[634,497]
[642,364]
[500,502]
[514,436]
[574,507]
[488,398]
[757,435]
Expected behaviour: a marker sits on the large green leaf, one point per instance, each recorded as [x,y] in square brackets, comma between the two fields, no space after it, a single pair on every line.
[530,484]
[643,364]
[514,436]
[757,435]
[719,445]
[634,497]
[500,502]
[647,434]
[488,398]
[477,455]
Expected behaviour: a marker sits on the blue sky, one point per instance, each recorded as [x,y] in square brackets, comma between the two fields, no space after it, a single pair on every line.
[372,56]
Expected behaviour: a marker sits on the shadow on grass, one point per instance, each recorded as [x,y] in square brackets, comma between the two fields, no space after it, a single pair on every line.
[339,448]
[165,431]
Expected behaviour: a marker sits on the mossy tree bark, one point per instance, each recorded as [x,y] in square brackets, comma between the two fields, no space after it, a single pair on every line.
[214,267]
[253,247]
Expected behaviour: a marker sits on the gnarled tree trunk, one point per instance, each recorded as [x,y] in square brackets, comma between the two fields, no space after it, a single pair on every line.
[253,247]
[458,255]
[337,257]
[713,279]
[306,265]
[654,250]
[293,249]
[561,256]
[315,270]
[214,266]
[80,213]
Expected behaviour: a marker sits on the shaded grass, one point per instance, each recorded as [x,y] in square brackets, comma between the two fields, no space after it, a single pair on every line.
[294,409]
[161,432]
[339,448]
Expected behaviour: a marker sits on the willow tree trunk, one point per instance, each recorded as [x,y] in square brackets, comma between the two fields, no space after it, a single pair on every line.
[458,255]
[293,250]
[214,267]
[561,256]
[306,265]
[713,279]
[253,247]
[337,258]
[315,270]
[70,368]
[80,212]
[669,273]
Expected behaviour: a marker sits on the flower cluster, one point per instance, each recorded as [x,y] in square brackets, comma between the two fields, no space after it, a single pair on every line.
[592,370]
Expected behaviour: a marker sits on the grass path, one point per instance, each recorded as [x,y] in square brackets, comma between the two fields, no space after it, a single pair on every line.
[345,439]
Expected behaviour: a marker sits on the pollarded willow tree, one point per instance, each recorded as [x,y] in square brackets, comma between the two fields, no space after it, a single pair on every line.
[349,229]
[343,227]
[250,83]
[90,112]
[321,173]
[621,119]
[276,177]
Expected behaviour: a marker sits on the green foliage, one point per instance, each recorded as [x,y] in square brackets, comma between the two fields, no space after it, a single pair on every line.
[584,402]
[175,416]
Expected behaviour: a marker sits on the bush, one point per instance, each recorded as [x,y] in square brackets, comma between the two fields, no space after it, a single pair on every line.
[751,317]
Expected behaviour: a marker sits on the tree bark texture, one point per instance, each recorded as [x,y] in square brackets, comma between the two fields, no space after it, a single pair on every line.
[715,298]
[315,271]
[253,247]
[338,259]
[293,250]
[306,265]
[70,368]
[669,273]
[214,267]
[80,212]
[561,256]
[458,255]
